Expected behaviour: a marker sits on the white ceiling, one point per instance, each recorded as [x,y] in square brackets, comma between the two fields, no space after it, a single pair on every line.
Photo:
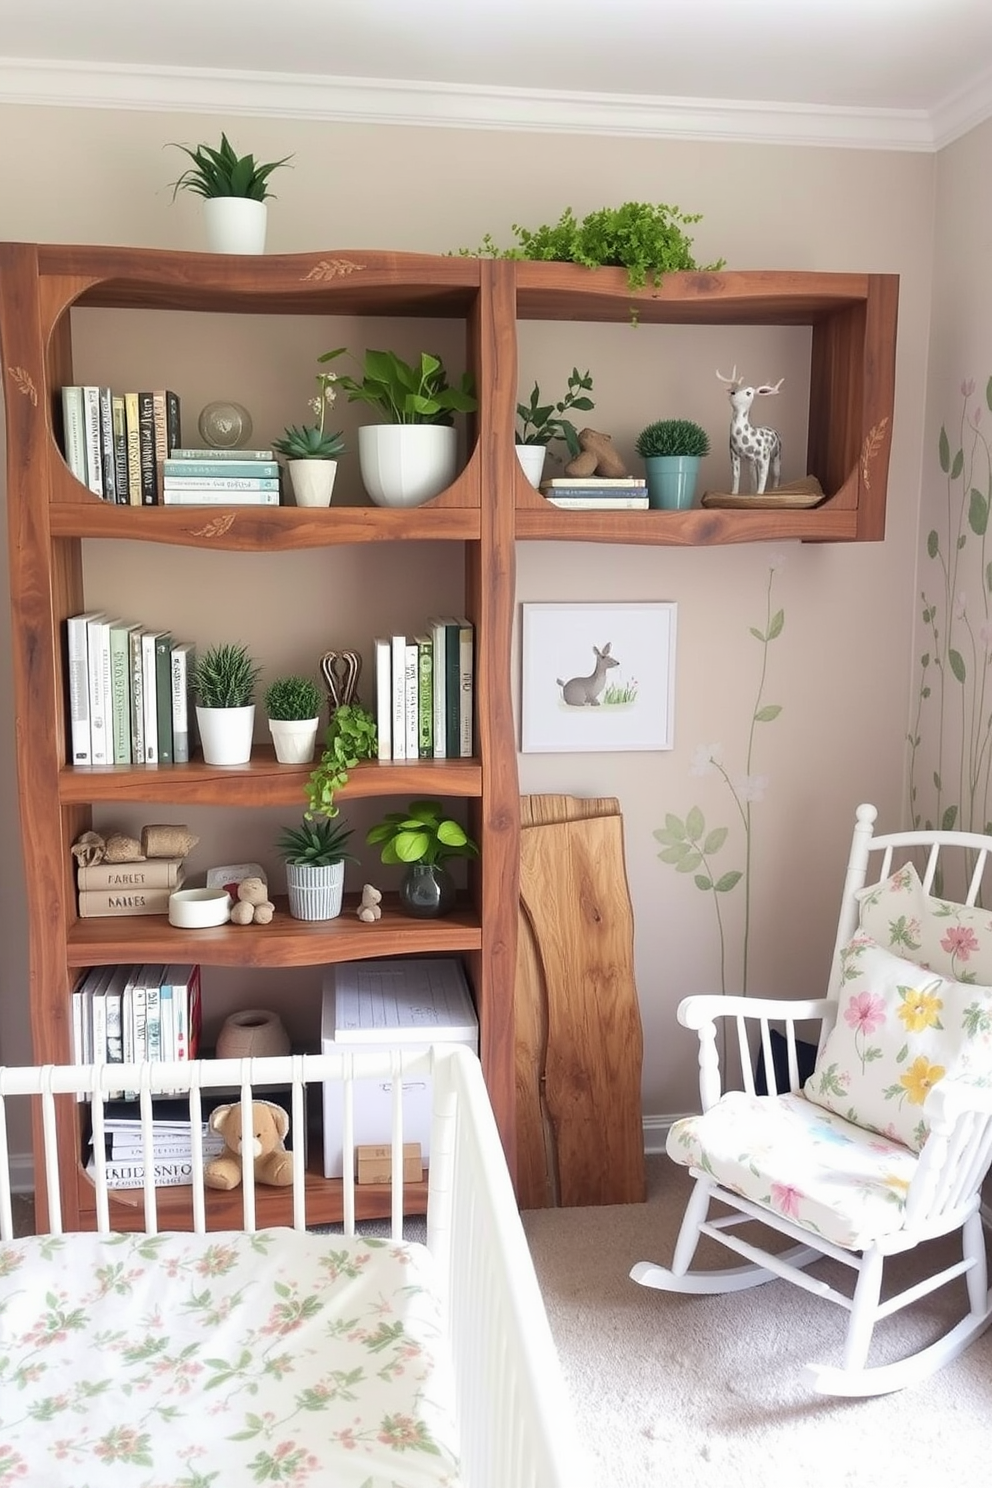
[902,73]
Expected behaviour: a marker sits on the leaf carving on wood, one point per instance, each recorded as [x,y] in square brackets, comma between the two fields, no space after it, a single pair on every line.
[215,528]
[24,383]
[333,268]
[872,445]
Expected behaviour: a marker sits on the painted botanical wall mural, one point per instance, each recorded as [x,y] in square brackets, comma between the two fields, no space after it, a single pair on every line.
[950,779]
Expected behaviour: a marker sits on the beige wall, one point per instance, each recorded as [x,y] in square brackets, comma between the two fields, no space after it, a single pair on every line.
[840,668]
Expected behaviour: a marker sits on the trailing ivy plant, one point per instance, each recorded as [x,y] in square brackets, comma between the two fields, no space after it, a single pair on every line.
[646,239]
[351,736]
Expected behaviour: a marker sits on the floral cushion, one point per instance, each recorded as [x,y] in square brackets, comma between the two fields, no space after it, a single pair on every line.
[953,939]
[900,1029]
[135,1361]
[807,1164]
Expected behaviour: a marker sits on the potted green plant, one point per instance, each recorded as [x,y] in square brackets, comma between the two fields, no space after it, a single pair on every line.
[539,423]
[311,451]
[315,853]
[671,450]
[293,705]
[412,452]
[234,189]
[223,681]
[350,737]
[422,838]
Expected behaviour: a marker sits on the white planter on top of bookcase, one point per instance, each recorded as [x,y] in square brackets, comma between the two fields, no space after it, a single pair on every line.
[235,224]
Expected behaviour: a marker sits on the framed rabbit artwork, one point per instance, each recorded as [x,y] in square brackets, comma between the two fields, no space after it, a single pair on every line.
[597,677]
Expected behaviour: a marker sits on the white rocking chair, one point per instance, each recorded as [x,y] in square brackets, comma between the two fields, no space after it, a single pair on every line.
[886,1144]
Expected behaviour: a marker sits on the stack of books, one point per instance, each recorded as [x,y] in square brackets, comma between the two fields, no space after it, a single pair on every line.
[127,1014]
[425,687]
[172,1146]
[117,443]
[139,888]
[204,477]
[597,493]
[128,692]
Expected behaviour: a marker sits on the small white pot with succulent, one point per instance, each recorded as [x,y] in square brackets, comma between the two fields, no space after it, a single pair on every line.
[293,705]
[223,683]
[540,423]
[311,451]
[234,190]
[315,855]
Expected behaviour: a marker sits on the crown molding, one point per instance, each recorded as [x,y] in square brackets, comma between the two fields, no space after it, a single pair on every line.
[456,106]
[963,111]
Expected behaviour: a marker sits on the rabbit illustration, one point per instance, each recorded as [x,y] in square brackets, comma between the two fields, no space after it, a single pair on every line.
[583,692]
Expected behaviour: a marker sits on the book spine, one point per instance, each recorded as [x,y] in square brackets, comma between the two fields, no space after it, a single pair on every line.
[137,700]
[77,649]
[153,1020]
[599,503]
[168,1173]
[425,697]
[596,483]
[466,688]
[452,688]
[120,692]
[149,696]
[163,696]
[182,484]
[98,1014]
[166,1020]
[182,659]
[213,455]
[398,706]
[146,446]
[216,470]
[132,419]
[439,637]
[153,873]
[383,696]
[165,415]
[94,903]
[91,429]
[411,676]
[221,498]
[98,656]
[108,468]
[118,421]
[607,493]
[73,433]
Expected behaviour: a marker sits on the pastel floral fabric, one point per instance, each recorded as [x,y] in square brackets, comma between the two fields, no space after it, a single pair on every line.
[846,1184]
[900,1029]
[209,1361]
[952,939]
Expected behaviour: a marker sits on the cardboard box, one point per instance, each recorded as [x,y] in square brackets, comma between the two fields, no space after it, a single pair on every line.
[375,1164]
[399,1003]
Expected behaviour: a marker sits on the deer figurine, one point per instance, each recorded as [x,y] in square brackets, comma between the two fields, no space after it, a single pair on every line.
[583,692]
[761,448]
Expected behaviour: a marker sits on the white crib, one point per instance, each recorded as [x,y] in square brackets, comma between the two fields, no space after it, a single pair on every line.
[505,1421]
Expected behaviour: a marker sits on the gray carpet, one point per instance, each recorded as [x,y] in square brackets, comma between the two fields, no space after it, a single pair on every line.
[704,1392]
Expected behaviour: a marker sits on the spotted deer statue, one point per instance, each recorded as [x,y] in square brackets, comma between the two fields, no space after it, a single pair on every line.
[761,448]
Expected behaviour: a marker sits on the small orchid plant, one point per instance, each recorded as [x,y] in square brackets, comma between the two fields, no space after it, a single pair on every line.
[309,441]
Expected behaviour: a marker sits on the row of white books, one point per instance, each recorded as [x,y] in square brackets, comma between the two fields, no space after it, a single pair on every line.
[116,443]
[128,1014]
[128,692]
[424,687]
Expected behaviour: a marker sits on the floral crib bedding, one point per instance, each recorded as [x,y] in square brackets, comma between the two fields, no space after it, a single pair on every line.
[208,1361]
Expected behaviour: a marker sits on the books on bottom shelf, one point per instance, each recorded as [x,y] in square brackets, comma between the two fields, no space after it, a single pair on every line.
[130,1013]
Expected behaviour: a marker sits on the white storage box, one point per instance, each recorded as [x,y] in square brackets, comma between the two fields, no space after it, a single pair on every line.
[391,1004]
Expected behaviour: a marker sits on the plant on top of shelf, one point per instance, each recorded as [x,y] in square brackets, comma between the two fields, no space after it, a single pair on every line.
[672,437]
[222,172]
[316,843]
[313,441]
[293,699]
[350,737]
[224,677]
[404,392]
[647,240]
[421,834]
[540,423]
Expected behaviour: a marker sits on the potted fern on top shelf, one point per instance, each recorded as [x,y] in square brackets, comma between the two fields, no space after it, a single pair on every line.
[234,189]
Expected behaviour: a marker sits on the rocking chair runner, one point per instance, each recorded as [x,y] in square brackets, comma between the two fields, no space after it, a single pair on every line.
[886,1144]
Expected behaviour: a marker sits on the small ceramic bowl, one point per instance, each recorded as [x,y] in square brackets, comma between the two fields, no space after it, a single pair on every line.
[195,909]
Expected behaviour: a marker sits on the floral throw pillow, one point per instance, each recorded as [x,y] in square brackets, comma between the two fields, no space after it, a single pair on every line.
[901,1028]
[952,939]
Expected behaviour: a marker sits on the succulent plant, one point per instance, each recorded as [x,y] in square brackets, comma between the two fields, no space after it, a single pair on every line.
[315,843]
[224,677]
[308,442]
[222,172]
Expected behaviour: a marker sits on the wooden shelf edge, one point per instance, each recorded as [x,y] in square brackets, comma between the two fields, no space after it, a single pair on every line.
[695,528]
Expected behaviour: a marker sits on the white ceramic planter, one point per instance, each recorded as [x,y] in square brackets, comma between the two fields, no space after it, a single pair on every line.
[294,739]
[312,481]
[235,224]
[315,893]
[406,464]
[531,457]
[225,734]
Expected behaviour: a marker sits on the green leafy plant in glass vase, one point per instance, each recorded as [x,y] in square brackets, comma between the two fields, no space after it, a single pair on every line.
[422,838]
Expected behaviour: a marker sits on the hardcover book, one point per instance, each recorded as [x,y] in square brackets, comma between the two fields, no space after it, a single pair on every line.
[132,423]
[149,695]
[92,441]
[178,484]
[165,417]
[398,703]
[120,689]
[98,658]
[452,689]
[96,903]
[146,449]
[108,467]
[599,503]
[425,697]
[183,656]
[466,687]
[201,497]
[163,696]
[137,698]
[77,652]
[148,873]
[595,482]
[73,431]
[439,634]
[384,695]
[199,470]
[220,454]
[411,695]
[118,421]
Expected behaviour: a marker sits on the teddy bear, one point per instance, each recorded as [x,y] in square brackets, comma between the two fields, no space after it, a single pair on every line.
[597,457]
[368,910]
[253,904]
[273,1164]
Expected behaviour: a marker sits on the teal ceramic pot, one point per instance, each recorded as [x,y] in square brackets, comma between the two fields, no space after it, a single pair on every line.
[671,481]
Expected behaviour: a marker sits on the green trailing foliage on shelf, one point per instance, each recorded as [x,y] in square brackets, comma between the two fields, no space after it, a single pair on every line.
[672,437]
[647,239]
[350,737]
[222,172]
[421,834]
[317,842]
[541,423]
[225,677]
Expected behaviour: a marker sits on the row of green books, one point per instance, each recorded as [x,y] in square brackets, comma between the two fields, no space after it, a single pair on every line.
[425,687]
[128,692]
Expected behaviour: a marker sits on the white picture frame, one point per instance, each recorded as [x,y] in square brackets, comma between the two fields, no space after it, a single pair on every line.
[597,677]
